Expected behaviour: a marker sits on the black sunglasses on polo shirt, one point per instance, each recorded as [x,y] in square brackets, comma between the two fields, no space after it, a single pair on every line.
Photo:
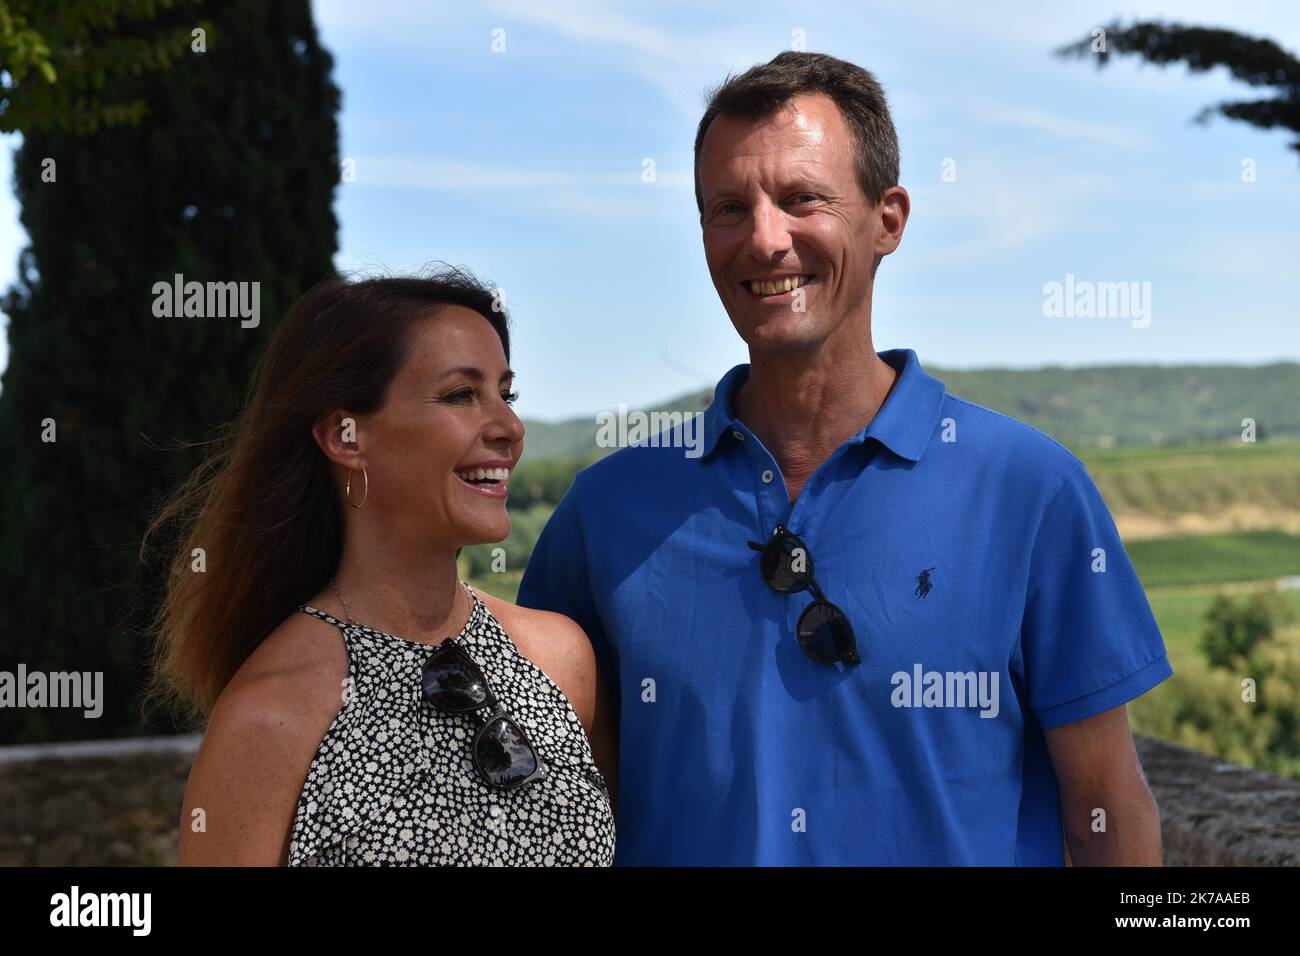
[503,755]
[824,631]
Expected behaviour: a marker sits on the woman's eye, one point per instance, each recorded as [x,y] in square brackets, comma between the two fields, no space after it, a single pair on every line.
[466,395]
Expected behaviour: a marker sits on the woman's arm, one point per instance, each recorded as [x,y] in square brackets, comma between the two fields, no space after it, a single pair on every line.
[247,778]
[571,655]
[604,738]
[263,734]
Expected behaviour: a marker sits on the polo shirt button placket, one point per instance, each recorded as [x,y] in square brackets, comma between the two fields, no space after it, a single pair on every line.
[775,502]
[771,510]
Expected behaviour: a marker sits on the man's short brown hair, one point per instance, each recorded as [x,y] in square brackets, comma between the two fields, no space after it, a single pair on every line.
[765,88]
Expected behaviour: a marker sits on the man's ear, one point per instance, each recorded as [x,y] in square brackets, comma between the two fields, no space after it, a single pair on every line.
[895,207]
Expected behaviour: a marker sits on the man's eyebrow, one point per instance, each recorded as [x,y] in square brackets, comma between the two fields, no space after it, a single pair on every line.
[799,176]
[713,195]
[799,181]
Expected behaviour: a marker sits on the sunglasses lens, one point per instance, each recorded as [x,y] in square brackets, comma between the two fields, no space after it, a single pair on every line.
[787,565]
[826,635]
[454,683]
[503,755]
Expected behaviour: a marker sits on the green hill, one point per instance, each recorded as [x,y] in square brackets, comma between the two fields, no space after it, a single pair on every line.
[1095,407]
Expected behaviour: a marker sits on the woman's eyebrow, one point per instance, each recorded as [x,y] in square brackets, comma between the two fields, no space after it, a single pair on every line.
[467,370]
[476,374]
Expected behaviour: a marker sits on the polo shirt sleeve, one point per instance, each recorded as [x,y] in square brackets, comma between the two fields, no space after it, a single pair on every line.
[1088,640]
[557,579]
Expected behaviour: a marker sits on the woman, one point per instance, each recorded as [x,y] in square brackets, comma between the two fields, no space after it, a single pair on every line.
[363,705]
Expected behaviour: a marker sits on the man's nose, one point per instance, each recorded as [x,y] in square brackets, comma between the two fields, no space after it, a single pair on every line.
[769,235]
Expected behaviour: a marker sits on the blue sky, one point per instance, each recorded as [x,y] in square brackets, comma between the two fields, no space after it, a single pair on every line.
[526,165]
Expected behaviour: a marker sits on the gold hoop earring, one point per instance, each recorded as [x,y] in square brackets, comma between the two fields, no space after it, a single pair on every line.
[347,490]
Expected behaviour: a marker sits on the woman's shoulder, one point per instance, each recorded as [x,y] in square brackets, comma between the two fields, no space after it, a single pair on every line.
[291,682]
[301,644]
[552,633]
[554,642]
[259,743]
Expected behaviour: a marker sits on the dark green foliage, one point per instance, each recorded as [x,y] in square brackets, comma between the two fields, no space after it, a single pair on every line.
[1243,706]
[228,178]
[525,528]
[58,58]
[544,480]
[1234,629]
[1252,60]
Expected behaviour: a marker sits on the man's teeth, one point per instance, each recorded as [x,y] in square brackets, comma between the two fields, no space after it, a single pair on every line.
[484,474]
[777,286]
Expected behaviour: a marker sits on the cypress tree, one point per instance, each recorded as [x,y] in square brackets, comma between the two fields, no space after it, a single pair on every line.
[229,177]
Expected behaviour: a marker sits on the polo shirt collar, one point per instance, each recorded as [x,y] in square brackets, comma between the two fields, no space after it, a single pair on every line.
[903,424]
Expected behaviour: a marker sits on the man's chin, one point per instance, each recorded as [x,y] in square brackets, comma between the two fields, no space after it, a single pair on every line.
[780,335]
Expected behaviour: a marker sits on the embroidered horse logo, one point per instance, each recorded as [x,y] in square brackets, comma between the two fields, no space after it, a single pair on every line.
[923,584]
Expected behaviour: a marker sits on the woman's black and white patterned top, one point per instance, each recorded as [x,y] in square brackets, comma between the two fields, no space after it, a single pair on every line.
[393,781]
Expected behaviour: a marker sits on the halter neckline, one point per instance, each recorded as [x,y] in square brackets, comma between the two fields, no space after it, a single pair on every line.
[475,617]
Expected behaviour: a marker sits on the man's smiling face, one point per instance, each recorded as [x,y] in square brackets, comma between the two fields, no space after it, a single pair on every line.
[782,204]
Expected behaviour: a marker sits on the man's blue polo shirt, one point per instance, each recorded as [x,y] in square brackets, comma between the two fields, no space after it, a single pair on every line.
[982,574]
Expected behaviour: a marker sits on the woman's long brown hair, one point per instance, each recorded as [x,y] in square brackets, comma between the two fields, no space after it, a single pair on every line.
[264,507]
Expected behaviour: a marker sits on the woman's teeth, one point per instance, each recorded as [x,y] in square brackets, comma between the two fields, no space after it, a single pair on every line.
[777,286]
[480,475]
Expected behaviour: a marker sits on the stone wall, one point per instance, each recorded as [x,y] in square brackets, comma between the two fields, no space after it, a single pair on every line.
[97,803]
[1215,813]
[109,803]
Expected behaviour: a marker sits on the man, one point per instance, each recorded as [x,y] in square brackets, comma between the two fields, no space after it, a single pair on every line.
[954,693]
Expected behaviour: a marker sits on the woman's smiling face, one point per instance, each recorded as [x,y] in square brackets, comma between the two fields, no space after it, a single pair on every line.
[441,449]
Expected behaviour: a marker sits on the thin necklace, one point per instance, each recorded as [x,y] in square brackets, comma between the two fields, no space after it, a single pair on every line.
[348,612]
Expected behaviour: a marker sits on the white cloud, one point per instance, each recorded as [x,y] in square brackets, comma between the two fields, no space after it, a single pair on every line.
[606,197]
[1001,202]
[1057,125]
[440,175]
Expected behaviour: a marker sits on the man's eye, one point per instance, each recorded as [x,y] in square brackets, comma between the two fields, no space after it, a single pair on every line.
[808,196]
[727,208]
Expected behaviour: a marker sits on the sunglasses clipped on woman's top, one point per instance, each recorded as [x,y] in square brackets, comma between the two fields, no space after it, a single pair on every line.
[503,755]
[824,631]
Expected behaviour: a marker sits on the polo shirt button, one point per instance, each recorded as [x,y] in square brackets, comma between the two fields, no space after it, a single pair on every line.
[767,476]
[740,436]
